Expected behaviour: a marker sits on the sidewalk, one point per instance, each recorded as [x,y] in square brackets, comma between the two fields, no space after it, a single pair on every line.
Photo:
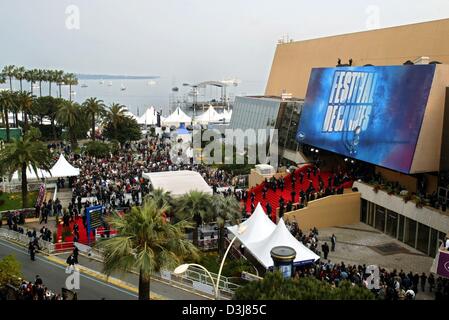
[158,289]
[362,244]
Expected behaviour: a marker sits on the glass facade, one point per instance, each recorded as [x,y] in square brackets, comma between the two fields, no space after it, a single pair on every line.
[255,113]
[392,224]
[414,234]
[288,123]
[380,218]
[410,232]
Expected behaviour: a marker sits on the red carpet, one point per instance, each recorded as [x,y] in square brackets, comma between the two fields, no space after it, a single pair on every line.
[273,197]
[82,234]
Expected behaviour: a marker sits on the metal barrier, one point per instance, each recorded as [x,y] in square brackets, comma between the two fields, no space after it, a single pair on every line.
[25,240]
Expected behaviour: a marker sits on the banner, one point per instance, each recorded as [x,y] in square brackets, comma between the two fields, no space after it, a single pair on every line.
[373,114]
[94,217]
[41,195]
[443,264]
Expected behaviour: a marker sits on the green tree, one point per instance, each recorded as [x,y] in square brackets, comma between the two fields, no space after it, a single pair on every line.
[6,103]
[147,243]
[25,101]
[8,72]
[97,149]
[59,79]
[95,108]
[113,117]
[69,115]
[125,130]
[70,79]
[22,154]
[10,271]
[224,209]
[162,198]
[195,206]
[31,77]
[275,287]
[19,74]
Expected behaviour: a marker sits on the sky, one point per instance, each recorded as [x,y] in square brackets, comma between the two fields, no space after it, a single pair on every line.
[184,40]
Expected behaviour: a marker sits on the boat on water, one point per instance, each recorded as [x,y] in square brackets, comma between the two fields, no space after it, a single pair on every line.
[101,81]
[151,83]
[84,85]
[73,93]
[122,87]
[110,84]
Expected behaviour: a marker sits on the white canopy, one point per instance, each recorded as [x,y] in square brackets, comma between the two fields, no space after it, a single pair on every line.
[210,115]
[260,237]
[177,117]
[31,175]
[178,183]
[149,117]
[258,227]
[281,236]
[227,115]
[63,168]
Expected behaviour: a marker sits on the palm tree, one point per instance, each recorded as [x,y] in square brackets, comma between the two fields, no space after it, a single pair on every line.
[31,76]
[25,101]
[147,243]
[224,209]
[19,74]
[22,154]
[40,76]
[71,80]
[69,115]
[8,72]
[6,103]
[50,77]
[161,198]
[94,108]
[59,79]
[195,206]
[114,116]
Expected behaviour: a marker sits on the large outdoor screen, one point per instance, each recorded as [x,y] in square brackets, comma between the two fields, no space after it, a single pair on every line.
[373,114]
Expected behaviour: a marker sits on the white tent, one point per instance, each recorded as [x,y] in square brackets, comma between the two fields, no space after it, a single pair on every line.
[258,227]
[177,117]
[63,168]
[31,175]
[281,236]
[178,182]
[210,115]
[149,117]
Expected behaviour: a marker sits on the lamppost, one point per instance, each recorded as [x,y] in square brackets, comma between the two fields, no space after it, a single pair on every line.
[183,268]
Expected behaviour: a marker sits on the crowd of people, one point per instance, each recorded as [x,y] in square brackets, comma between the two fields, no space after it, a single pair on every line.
[392,285]
[36,291]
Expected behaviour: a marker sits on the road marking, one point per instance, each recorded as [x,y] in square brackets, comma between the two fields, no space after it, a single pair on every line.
[63,268]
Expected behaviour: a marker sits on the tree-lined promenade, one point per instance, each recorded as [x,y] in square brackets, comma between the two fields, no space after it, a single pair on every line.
[45,117]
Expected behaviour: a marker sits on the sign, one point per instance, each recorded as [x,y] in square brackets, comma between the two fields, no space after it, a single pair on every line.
[41,195]
[94,217]
[373,114]
[443,264]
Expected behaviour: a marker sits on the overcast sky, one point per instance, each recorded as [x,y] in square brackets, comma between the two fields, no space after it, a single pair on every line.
[185,40]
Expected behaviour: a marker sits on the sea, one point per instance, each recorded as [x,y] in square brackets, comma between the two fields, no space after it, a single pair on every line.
[139,94]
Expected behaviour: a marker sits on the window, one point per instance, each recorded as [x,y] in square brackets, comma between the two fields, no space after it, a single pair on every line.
[433,246]
[363,211]
[410,232]
[392,224]
[401,228]
[380,218]
[423,238]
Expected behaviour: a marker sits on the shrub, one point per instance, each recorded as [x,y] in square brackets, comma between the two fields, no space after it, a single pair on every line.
[97,149]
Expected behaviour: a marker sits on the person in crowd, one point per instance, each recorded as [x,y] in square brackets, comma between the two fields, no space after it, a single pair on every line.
[31,251]
[333,242]
[325,249]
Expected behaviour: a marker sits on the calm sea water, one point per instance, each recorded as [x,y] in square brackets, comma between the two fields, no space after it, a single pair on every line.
[140,94]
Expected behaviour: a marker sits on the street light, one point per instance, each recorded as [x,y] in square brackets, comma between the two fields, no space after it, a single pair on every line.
[183,267]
